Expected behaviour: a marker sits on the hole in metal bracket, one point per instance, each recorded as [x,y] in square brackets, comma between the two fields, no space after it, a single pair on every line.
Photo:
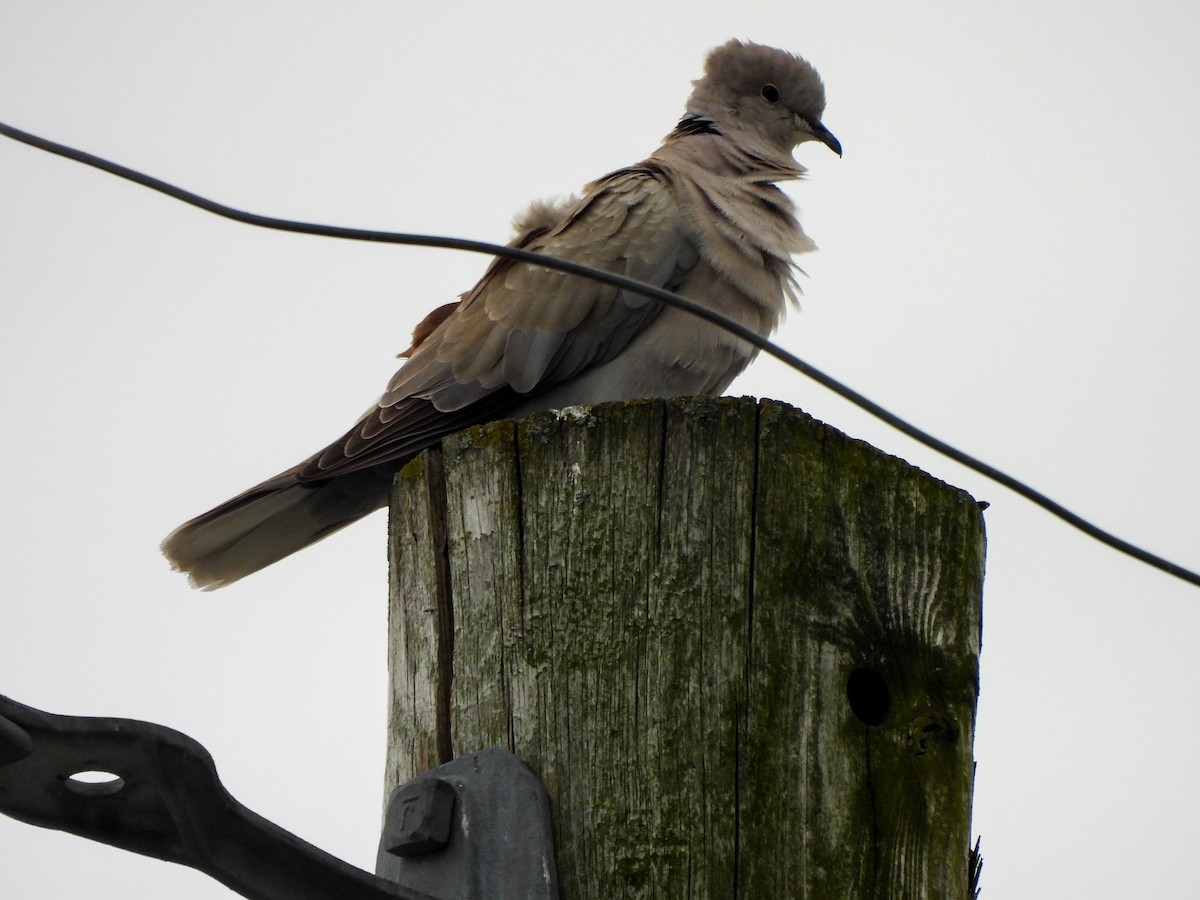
[94,783]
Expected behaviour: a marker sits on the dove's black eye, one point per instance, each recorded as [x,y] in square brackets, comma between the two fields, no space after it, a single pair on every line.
[770,93]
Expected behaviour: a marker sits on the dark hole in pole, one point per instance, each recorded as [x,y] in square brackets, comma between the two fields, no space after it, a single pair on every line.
[868,696]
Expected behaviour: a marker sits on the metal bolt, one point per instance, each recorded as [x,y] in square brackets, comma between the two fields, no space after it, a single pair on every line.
[418,817]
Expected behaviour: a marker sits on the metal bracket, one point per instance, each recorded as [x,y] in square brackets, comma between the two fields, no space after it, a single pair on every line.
[476,828]
[163,799]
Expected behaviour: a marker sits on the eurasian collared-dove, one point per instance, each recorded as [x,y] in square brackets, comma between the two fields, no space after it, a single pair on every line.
[701,217]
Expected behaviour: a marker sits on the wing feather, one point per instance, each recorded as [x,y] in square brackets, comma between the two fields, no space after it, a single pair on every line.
[516,326]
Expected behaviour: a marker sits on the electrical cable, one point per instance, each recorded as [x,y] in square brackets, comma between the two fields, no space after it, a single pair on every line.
[628,284]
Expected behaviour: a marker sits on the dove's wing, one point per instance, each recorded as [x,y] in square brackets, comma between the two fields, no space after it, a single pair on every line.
[524,328]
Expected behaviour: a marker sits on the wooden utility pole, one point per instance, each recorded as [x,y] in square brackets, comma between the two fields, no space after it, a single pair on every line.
[739,648]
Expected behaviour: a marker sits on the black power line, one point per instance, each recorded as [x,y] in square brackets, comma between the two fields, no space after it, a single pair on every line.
[628,284]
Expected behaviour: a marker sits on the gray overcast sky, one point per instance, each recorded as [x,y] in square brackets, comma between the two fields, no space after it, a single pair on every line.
[1007,258]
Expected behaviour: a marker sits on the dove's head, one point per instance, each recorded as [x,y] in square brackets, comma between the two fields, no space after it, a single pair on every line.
[762,93]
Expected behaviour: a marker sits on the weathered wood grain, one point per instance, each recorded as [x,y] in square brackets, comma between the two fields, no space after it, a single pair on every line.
[739,648]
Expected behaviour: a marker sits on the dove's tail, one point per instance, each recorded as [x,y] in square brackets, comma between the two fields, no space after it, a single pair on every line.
[269,522]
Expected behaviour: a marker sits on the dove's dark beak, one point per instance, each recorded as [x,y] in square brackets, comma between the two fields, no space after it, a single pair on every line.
[825,136]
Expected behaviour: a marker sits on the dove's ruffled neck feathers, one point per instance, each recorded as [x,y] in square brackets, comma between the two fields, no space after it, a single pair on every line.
[743,224]
[738,154]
